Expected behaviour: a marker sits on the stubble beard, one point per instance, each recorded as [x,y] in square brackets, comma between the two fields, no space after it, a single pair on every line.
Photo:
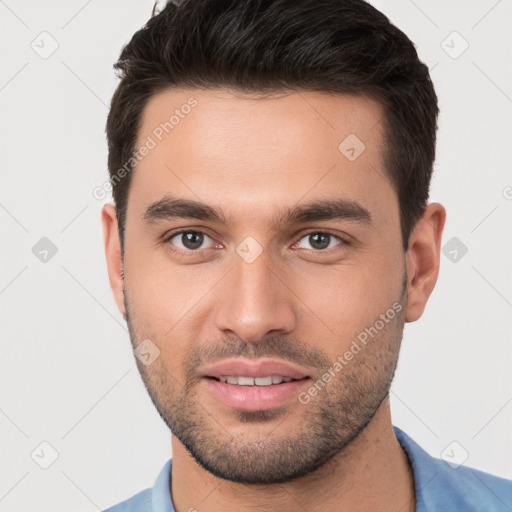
[328,423]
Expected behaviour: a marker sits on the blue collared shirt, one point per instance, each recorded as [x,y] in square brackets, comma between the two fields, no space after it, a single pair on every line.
[439,487]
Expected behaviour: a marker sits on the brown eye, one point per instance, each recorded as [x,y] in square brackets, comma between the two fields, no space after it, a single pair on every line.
[320,241]
[189,240]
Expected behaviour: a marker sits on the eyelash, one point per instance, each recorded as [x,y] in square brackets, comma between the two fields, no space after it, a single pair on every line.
[167,238]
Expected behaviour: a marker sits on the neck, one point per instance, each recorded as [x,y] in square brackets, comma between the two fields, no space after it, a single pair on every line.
[371,473]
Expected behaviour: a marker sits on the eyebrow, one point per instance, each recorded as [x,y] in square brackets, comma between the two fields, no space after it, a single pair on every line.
[335,209]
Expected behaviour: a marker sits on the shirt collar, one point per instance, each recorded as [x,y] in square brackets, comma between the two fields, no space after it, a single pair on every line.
[161,497]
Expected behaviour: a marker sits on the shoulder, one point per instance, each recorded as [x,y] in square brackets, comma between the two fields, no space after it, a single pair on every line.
[156,498]
[140,502]
[441,486]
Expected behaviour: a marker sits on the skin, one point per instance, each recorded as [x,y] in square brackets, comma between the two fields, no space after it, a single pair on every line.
[251,159]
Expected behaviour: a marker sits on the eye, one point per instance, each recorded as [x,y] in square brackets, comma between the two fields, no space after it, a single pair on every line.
[189,241]
[320,241]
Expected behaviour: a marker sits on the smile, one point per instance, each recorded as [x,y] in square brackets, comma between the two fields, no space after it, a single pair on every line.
[255,381]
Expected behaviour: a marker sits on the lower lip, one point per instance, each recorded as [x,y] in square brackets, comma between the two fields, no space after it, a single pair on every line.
[255,398]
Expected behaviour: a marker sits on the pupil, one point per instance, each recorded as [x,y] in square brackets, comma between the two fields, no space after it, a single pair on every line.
[319,240]
[192,240]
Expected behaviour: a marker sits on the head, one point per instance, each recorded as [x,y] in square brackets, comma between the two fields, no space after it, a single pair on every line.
[270,164]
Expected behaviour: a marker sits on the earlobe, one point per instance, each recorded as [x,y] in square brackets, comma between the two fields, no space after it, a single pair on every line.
[113,254]
[422,259]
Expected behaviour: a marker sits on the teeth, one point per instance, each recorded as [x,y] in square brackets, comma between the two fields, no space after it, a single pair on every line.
[262,381]
[245,381]
[255,381]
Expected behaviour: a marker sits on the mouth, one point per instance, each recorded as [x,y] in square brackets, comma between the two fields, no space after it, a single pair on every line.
[270,380]
[254,385]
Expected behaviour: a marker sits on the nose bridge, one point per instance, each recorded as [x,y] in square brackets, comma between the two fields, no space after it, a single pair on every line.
[254,301]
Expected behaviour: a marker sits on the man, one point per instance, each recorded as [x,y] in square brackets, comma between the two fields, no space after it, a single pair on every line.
[271,235]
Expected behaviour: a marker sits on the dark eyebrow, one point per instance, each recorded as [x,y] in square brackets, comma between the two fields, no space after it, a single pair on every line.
[344,209]
[332,209]
[169,207]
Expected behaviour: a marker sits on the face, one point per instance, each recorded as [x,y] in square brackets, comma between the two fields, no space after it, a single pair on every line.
[264,261]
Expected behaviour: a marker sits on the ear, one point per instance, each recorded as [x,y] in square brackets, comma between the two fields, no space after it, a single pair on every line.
[422,259]
[113,254]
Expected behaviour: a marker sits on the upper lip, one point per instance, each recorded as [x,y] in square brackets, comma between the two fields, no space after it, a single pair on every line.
[252,368]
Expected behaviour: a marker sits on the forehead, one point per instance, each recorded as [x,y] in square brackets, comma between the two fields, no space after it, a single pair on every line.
[255,152]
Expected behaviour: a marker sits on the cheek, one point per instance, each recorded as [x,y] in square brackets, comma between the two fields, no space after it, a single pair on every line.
[165,298]
[347,298]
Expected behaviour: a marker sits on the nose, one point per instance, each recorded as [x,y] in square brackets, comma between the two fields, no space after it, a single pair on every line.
[255,301]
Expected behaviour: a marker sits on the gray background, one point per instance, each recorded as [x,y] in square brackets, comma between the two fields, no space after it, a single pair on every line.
[68,377]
